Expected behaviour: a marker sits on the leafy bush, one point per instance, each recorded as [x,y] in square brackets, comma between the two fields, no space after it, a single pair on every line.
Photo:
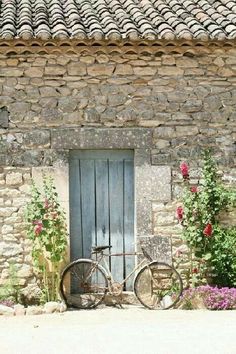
[212,246]
[10,290]
[46,227]
[213,298]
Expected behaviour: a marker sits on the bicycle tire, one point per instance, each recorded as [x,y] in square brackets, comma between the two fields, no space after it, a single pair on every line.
[83,284]
[158,286]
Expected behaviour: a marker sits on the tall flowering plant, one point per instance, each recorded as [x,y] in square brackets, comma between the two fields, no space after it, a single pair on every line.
[211,246]
[46,227]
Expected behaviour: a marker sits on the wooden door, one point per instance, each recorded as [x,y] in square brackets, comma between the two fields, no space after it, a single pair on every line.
[102,206]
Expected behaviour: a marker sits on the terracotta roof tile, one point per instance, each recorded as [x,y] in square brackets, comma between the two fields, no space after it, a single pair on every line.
[117,19]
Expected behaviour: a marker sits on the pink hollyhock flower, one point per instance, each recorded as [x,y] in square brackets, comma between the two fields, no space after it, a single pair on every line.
[208,230]
[194,189]
[38,228]
[195,270]
[54,214]
[184,170]
[46,203]
[37,222]
[179,213]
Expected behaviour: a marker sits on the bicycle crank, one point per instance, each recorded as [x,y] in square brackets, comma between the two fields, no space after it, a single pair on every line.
[116,288]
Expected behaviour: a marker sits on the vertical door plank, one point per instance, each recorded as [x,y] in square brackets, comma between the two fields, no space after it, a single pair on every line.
[88,206]
[102,202]
[116,217]
[76,241]
[129,219]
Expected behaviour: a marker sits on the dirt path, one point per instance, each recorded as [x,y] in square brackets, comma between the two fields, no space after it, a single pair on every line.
[111,330]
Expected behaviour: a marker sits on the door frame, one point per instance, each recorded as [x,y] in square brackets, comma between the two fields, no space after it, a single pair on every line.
[152,182]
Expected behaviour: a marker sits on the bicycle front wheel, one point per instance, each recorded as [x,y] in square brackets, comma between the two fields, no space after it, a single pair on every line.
[83,284]
[158,286]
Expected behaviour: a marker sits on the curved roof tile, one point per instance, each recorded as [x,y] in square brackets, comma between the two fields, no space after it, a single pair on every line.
[117,19]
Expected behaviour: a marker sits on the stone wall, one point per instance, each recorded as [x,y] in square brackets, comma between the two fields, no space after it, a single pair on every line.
[186,102]
[14,247]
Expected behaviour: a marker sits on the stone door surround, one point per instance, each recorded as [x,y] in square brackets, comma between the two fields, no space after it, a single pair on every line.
[152,183]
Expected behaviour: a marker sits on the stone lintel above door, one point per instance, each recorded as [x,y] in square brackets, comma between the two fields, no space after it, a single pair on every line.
[101,138]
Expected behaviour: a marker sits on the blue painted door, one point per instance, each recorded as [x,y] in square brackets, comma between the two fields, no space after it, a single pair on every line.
[102,206]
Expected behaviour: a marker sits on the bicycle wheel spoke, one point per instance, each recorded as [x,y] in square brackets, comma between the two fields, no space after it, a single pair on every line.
[83,284]
[158,286]
[76,274]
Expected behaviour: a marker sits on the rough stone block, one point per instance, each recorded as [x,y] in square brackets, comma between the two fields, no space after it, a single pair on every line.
[34,310]
[162,158]
[37,138]
[144,71]
[4,118]
[116,100]
[91,115]
[102,58]
[51,307]
[164,218]
[28,158]
[7,229]
[158,247]
[144,224]
[186,62]
[164,132]
[48,102]
[10,249]
[12,72]
[124,69]
[187,130]
[100,70]
[212,103]
[48,91]
[67,104]
[6,310]
[55,70]
[153,182]
[87,59]
[192,106]
[170,71]
[168,60]
[51,114]
[34,71]
[25,271]
[14,178]
[19,107]
[77,69]
[225,72]
[193,72]
[177,96]
[19,310]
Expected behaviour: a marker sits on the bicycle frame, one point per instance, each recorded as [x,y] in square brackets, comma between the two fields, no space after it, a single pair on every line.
[102,259]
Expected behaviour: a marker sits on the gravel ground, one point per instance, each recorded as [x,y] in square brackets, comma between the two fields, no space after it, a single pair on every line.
[112,330]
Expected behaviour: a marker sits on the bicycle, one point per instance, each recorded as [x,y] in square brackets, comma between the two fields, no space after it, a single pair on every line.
[85,282]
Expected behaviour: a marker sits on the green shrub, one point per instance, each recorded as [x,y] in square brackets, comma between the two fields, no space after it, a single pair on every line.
[211,245]
[46,227]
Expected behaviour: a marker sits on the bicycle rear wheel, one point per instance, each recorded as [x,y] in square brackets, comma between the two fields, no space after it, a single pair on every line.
[158,286]
[83,284]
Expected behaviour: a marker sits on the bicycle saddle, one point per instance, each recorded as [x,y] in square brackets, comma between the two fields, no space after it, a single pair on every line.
[98,249]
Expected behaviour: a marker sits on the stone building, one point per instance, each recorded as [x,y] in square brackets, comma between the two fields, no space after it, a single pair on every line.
[110,97]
